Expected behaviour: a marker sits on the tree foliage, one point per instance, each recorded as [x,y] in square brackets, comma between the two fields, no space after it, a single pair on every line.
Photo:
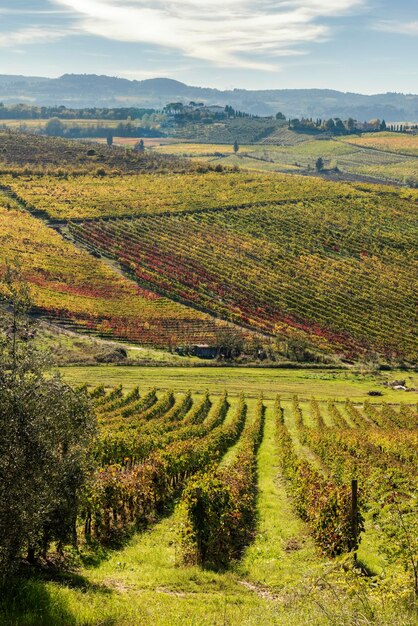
[54,127]
[46,428]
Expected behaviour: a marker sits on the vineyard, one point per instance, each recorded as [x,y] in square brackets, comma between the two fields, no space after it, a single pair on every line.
[208,314]
[35,154]
[90,197]
[154,446]
[339,270]
[333,263]
[148,449]
[400,143]
[243,129]
[376,446]
[241,509]
[83,293]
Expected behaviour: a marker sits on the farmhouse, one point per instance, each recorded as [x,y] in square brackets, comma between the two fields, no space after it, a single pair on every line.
[204,351]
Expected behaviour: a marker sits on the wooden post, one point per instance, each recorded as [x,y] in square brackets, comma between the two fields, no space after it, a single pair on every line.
[31,555]
[354,512]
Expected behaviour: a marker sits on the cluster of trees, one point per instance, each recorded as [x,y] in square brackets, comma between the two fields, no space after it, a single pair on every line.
[401,128]
[60,121]
[129,128]
[199,112]
[46,429]
[234,345]
[335,125]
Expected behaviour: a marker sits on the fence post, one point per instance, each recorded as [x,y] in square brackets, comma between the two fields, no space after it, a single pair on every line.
[354,512]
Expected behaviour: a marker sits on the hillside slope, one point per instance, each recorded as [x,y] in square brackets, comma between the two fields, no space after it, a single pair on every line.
[342,269]
[389,158]
[333,263]
[35,154]
[85,294]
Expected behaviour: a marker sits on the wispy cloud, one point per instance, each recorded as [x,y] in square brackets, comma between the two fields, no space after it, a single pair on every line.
[32,35]
[228,33]
[400,28]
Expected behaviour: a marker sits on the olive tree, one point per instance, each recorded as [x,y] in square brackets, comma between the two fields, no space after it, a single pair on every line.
[54,127]
[45,432]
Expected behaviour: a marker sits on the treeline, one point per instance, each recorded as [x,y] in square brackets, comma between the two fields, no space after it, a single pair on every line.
[191,112]
[29,112]
[335,126]
[402,128]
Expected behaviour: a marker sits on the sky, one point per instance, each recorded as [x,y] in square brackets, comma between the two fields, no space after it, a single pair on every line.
[366,46]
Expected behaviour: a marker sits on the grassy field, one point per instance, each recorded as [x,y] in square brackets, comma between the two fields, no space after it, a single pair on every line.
[69,348]
[149,142]
[200,149]
[384,156]
[322,384]
[39,125]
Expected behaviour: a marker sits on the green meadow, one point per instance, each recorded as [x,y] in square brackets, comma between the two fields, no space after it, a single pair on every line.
[321,383]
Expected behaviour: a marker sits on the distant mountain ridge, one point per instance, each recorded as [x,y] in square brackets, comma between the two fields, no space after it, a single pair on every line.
[91,90]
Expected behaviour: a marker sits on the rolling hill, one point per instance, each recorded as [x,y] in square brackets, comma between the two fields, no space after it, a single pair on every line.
[84,90]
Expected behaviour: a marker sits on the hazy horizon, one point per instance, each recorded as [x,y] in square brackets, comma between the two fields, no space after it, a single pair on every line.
[357,46]
[204,86]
